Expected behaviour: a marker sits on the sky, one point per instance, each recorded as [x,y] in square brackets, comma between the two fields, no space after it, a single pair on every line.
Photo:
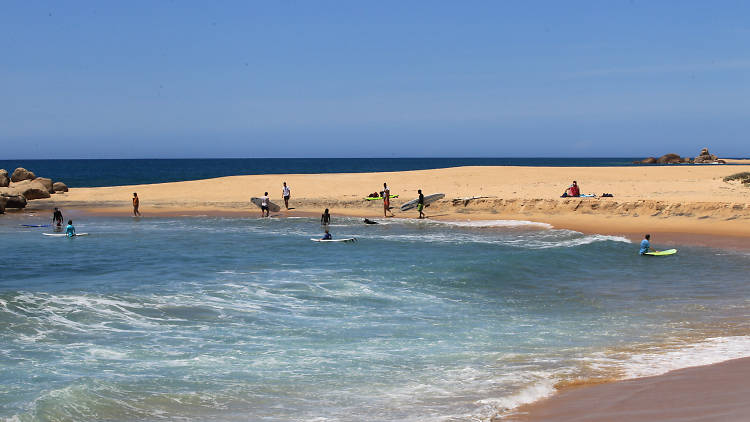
[174,79]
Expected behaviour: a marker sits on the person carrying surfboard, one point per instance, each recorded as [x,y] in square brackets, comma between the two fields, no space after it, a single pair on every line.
[646,245]
[57,217]
[420,204]
[70,231]
[264,205]
[386,200]
[286,193]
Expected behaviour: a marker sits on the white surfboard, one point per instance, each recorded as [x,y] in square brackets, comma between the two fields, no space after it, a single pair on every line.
[428,199]
[271,206]
[64,235]
[348,239]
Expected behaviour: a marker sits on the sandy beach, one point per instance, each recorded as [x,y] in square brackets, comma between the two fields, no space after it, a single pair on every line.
[676,203]
[699,394]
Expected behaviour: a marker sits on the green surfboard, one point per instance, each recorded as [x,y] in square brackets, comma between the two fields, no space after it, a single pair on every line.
[662,253]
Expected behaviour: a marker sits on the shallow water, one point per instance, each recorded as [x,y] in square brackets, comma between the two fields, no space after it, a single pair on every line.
[235,319]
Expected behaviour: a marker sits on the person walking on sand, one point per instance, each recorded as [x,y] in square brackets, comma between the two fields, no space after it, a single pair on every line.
[420,204]
[70,231]
[264,205]
[325,218]
[136,204]
[286,193]
[386,200]
[646,245]
[57,218]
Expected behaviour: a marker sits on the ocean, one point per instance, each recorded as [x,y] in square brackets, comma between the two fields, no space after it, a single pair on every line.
[117,172]
[237,319]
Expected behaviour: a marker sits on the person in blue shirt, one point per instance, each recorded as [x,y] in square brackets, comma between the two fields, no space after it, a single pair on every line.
[327,236]
[646,245]
[70,230]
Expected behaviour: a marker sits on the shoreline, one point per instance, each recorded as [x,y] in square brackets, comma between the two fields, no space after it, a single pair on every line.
[715,392]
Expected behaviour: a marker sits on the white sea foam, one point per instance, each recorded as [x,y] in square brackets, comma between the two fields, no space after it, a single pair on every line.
[496,223]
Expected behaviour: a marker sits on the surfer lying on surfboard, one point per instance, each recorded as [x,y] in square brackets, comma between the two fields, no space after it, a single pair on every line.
[327,236]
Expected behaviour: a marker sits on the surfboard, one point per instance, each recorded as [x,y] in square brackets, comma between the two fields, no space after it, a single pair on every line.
[428,199]
[662,253]
[348,239]
[64,235]
[380,198]
[36,225]
[271,206]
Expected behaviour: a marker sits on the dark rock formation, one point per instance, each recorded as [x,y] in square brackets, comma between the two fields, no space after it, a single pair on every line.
[21,174]
[4,179]
[669,159]
[13,201]
[59,187]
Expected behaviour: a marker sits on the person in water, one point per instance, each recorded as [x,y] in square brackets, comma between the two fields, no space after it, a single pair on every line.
[386,200]
[368,221]
[70,231]
[327,236]
[286,193]
[646,245]
[264,205]
[136,204]
[57,218]
[325,218]
[420,203]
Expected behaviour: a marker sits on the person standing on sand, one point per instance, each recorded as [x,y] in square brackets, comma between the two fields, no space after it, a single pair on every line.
[286,193]
[136,204]
[386,200]
[325,218]
[420,204]
[646,245]
[264,205]
[57,218]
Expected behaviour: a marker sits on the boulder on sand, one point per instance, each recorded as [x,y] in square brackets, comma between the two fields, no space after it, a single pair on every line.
[21,174]
[31,189]
[59,187]
[46,182]
[4,179]
[649,160]
[13,201]
[707,157]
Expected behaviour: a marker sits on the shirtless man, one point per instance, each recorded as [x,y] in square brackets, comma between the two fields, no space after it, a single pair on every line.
[386,200]
[136,204]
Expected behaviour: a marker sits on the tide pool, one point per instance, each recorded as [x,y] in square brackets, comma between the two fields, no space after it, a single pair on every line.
[226,319]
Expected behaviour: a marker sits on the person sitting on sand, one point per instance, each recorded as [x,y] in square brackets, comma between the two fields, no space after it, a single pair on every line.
[70,231]
[646,245]
[325,218]
[327,236]
[136,204]
[574,190]
[264,205]
[286,193]
[57,218]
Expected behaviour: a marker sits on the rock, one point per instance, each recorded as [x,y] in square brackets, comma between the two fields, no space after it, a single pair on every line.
[669,159]
[649,160]
[21,174]
[31,189]
[46,182]
[13,201]
[59,187]
[4,179]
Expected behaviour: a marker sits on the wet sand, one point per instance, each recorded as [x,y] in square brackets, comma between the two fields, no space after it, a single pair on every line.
[710,393]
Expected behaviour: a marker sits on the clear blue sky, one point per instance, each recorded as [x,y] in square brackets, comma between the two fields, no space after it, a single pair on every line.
[373,79]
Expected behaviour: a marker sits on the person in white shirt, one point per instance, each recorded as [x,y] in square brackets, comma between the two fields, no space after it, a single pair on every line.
[286,193]
[264,205]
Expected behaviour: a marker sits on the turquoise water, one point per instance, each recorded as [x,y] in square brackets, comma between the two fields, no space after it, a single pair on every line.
[220,319]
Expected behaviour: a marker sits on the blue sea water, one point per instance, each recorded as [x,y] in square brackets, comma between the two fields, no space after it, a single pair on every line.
[221,319]
[93,173]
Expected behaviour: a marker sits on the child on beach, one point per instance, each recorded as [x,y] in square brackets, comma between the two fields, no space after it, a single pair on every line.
[70,231]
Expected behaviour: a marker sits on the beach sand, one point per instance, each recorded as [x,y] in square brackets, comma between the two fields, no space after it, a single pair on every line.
[683,201]
[710,393]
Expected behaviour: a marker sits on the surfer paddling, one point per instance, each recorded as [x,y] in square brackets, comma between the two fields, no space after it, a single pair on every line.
[286,193]
[386,200]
